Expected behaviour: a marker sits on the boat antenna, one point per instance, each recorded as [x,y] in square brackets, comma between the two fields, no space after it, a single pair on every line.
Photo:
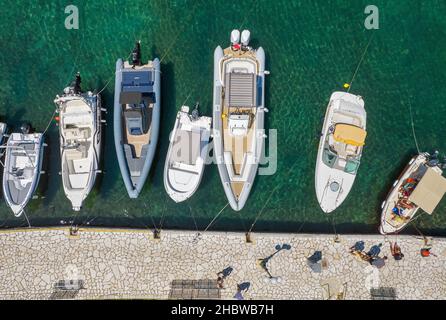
[195,113]
[136,54]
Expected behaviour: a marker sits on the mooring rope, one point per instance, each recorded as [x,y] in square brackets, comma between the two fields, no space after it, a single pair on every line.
[180,31]
[215,218]
[360,62]
[269,198]
[412,122]
[26,217]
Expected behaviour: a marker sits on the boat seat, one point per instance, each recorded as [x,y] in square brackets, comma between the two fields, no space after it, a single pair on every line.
[347,118]
[134,122]
[77,133]
[76,120]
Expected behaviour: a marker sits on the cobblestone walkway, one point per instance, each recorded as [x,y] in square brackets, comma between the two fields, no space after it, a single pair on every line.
[132,264]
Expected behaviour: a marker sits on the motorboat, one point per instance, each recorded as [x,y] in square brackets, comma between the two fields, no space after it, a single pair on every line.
[80,122]
[340,149]
[137,108]
[238,115]
[187,153]
[23,165]
[420,186]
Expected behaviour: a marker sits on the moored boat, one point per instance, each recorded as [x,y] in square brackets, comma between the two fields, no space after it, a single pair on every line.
[80,141]
[238,115]
[340,149]
[420,186]
[137,109]
[186,156]
[23,164]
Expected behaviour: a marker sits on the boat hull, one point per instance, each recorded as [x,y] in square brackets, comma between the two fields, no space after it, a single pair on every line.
[134,187]
[237,203]
[182,180]
[77,195]
[15,198]
[388,226]
[328,199]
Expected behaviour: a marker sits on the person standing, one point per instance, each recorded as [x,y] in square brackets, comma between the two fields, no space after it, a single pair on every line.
[396,251]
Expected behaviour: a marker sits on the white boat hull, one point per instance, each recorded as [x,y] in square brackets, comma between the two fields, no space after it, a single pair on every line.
[325,177]
[18,191]
[79,175]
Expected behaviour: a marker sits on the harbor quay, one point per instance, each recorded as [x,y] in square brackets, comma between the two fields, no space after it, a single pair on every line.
[55,263]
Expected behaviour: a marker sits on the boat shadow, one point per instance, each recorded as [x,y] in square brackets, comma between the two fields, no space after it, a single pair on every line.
[167,118]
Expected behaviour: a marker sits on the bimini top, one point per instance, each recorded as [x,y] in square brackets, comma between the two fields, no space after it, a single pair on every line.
[429,191]
[136,85]
[349,134]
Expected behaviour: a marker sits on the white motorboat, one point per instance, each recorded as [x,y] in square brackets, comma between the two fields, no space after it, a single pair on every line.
[420,185]
[340,149]
[80,141]
[23,164]
[187,153]
[238,115]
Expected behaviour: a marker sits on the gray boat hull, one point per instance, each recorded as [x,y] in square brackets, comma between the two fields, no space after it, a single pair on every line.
[134,184]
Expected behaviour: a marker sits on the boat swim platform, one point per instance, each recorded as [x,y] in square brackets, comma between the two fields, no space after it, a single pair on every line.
[132,264]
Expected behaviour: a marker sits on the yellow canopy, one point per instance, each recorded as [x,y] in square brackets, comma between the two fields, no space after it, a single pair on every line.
[429,191]
[350,134]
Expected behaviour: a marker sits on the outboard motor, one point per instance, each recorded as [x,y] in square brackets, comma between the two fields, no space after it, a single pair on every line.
[77,84]
[136,54]
[246,37]
[25,128]
[195,113]
[433,160]
[235,39]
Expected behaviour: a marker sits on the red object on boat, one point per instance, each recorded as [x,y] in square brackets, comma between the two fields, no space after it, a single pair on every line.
[56,118]
[237,46]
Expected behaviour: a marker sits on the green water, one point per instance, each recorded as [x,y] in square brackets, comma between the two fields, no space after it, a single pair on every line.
[312,47]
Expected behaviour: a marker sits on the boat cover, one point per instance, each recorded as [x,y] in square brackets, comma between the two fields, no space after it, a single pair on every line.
[429,191]
[350,134]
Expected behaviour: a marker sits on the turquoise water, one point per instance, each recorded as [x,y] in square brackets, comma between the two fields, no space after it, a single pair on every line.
[312,47]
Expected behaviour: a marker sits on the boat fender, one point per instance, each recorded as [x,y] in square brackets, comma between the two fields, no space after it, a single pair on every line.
[103,121]
[265,136]
[382,204]
[395,183]
[266,72]
[104,110]
[266,109]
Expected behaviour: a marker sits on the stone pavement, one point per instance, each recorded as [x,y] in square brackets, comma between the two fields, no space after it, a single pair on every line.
[118,263]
